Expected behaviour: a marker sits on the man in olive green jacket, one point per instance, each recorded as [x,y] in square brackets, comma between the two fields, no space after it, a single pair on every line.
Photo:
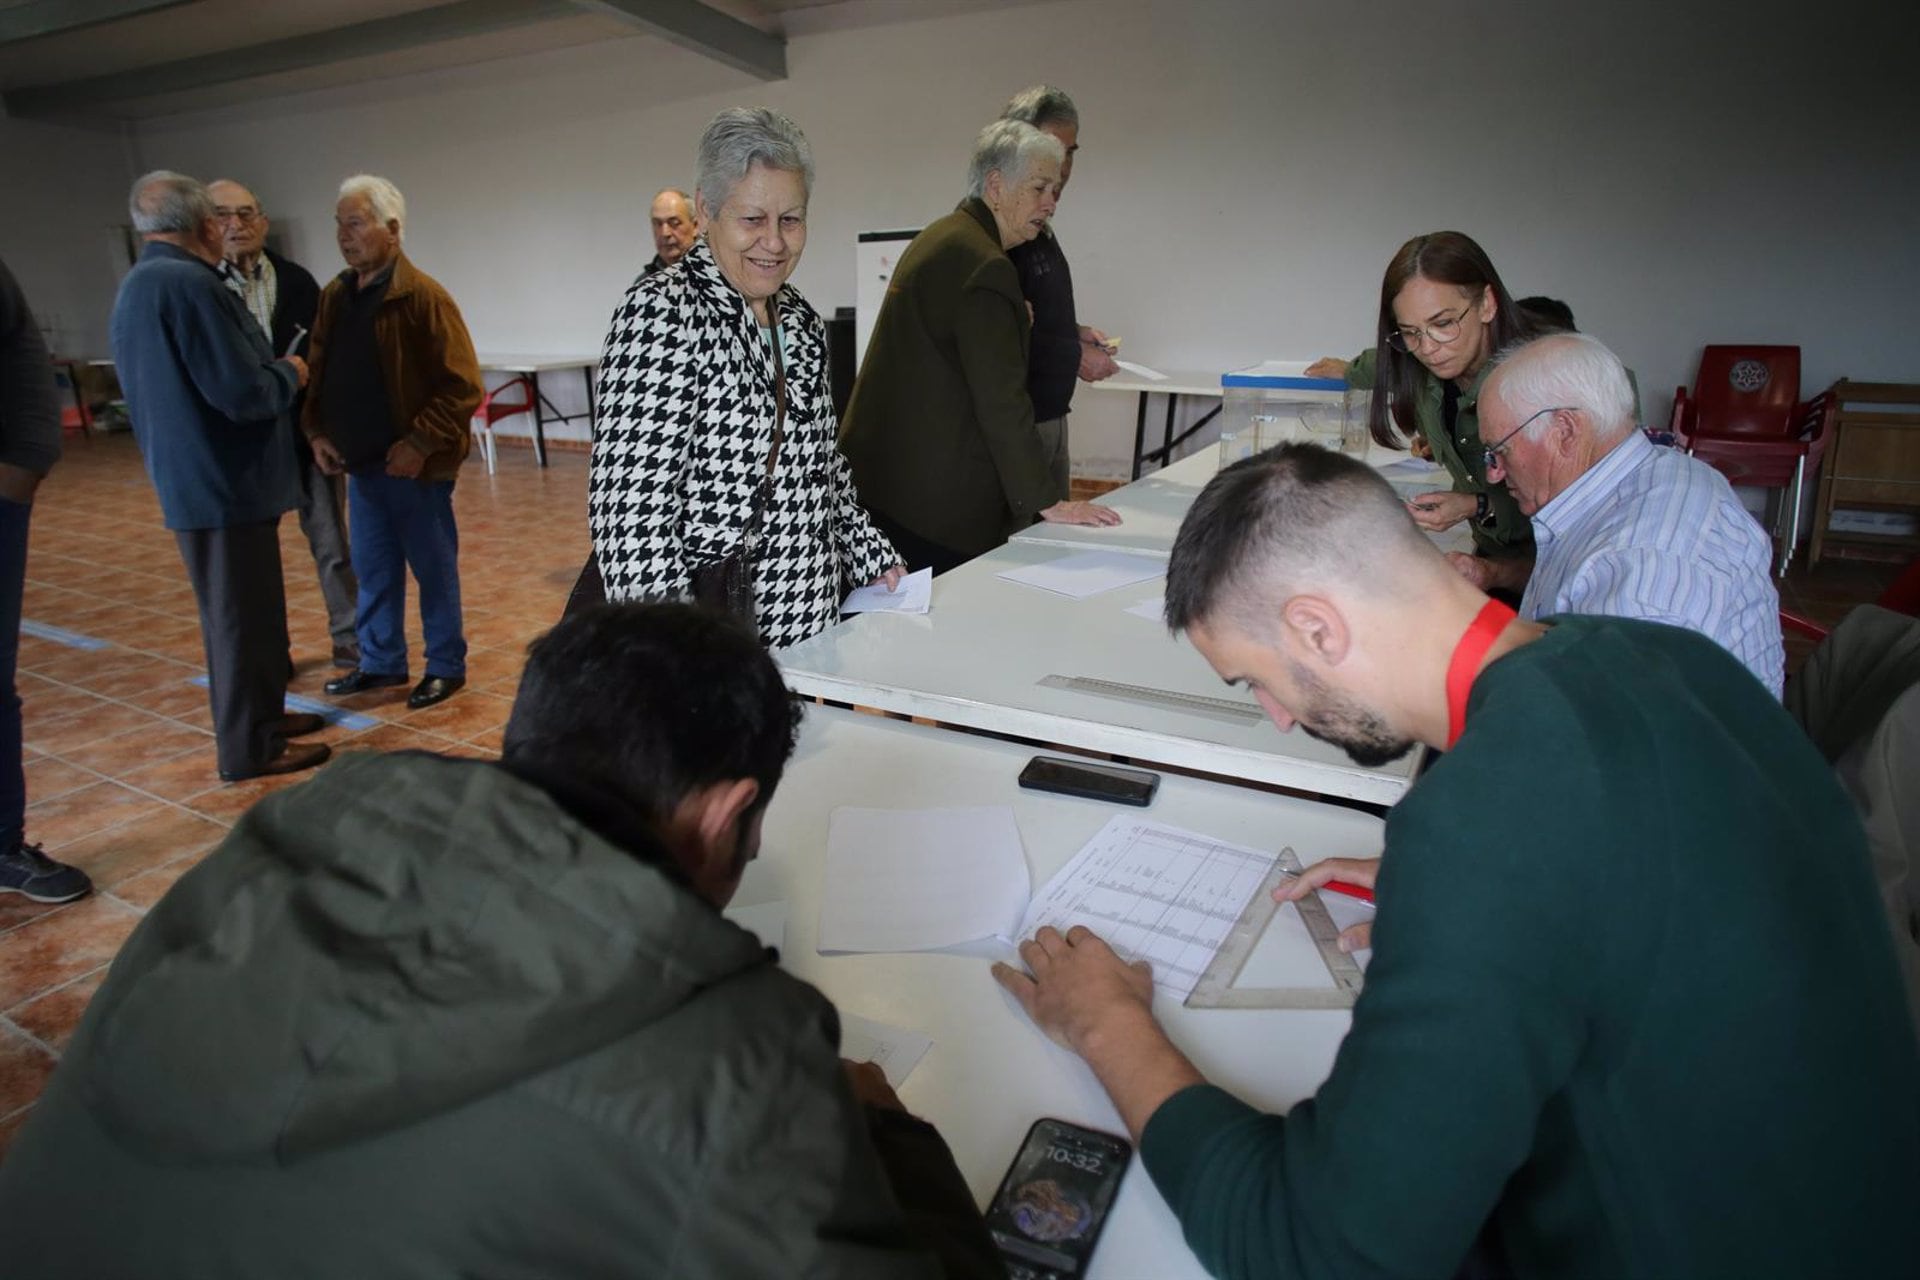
[428,1017]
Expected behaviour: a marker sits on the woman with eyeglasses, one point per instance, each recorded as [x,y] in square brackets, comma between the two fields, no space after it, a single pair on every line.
[1443,314]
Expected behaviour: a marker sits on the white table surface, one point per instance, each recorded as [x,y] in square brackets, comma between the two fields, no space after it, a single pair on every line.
[1179,382]
[1152,507]
[977,659]
[990,1074]
[521,363]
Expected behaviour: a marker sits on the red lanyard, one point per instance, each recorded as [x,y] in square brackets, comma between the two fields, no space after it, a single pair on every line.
[1467,655]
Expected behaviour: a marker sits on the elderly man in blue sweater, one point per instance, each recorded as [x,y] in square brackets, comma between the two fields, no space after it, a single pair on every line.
[209,404]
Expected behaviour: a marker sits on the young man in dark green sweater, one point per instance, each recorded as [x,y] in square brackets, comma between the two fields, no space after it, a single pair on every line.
[1632,1003]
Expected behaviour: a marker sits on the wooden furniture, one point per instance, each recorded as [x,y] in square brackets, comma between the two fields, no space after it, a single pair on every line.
[1874,462]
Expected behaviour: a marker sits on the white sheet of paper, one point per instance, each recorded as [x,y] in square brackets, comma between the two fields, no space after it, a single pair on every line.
[1409,468]
[895,1050]
[914,595]
[1154,893]
[766,921]
[1153,608]
[921,879]
[1087,573]
[1141,371]
[1345,912]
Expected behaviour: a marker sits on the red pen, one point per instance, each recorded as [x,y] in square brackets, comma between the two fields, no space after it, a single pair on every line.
[1358,891]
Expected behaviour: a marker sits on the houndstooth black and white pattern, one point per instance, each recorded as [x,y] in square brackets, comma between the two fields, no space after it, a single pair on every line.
[686,421]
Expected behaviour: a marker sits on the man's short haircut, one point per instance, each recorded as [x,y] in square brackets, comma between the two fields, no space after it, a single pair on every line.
[382,197]
[1570,370]
[741,137]
[1041,106]
[1293,519]
[1009,148]
[258,205]
[675,191]
[1548,313]
[650,702]
[167,203]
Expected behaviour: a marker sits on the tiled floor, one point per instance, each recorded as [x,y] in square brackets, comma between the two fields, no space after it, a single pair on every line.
[120,766]
[120,763]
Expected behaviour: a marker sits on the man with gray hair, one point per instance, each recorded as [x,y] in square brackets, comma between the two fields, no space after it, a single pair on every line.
[283,297]
[1615,1024]
[395,384]
[209,406]
[1062,348]
[674,228]
[1621,526]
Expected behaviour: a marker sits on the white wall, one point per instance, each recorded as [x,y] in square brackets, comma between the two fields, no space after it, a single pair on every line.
[1246,169]
[60,226]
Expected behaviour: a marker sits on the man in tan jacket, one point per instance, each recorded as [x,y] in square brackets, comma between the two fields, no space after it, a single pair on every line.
[394,386]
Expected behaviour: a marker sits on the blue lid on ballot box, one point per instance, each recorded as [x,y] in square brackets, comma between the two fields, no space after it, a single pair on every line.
[1283,375]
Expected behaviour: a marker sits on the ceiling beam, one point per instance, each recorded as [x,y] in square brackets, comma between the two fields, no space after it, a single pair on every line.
[707,32]
[51,17]
[297,53]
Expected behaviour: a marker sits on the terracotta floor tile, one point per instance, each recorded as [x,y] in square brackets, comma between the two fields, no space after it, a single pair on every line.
[56,949]
[147,888]
[394,737]
[138,677]
[171,700]
[24,1068]
[125,752]
[177,779]
[55,701]
[67,818]
[70,665]
[48,777]
[51,1018]
[125,851]
[491,741]
[460,717]
[92,725]
[16,910]
[225,804]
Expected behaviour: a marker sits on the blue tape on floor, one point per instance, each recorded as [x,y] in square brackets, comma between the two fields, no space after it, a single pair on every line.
[327,711]
[60,635]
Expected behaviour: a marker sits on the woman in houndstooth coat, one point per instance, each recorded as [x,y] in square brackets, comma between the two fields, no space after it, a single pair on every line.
[688,392]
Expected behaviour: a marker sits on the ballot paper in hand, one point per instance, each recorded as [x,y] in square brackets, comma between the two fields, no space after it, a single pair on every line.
[914,595]
[1087,573]
[921,879]
[895,1050]
[1141,371]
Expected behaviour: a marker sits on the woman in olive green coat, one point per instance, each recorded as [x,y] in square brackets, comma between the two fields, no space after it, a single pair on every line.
[940,431]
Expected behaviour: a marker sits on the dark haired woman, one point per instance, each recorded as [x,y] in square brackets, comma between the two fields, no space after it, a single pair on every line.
[1443,314]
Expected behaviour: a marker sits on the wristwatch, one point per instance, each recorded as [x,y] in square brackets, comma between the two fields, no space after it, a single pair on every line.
[1483,509]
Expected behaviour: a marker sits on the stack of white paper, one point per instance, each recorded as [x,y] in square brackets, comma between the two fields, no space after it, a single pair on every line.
[913,595]
[921,879]
[1087,573]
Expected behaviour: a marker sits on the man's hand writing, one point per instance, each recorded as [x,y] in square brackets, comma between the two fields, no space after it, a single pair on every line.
[1360,871]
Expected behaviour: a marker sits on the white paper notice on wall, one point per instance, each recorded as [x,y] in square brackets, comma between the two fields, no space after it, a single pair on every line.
[921,879]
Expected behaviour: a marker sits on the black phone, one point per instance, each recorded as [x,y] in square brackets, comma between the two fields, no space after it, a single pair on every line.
[1050,1208]
[1093,781]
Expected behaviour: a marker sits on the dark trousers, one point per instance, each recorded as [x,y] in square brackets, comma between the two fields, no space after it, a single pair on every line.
[916,550]
[400,524]
[13,582]
[243,627]
[323,519]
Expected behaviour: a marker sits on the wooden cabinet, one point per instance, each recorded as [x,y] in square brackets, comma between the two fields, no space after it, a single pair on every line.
[1874,463]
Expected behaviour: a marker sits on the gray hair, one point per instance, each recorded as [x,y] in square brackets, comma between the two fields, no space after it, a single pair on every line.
[1009,148]
[167,203]
[382,197]
[741,137]
[1565,370]
[1041,106]
[1292,519]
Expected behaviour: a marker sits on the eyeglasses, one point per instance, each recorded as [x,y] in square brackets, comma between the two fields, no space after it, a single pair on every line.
[1490,456]
[244,216]
[1439,333]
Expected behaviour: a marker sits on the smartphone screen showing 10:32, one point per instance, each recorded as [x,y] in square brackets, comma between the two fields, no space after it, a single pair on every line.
[1052,1204]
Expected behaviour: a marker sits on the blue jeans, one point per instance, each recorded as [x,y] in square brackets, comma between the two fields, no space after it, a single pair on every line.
[13,581]
[398,524]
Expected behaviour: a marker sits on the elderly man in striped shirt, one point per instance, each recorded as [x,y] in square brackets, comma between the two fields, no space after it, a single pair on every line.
[1621,526]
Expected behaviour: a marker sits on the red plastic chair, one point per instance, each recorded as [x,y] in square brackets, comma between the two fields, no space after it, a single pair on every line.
[493,407]
[1745,418]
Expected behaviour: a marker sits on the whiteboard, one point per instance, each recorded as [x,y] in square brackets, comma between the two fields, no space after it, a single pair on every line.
[875,255]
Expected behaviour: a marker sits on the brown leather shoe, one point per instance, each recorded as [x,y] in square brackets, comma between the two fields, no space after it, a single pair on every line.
[298,724]
[293,757]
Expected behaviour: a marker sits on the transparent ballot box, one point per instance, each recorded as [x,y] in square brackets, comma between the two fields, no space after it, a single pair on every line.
[1276,402]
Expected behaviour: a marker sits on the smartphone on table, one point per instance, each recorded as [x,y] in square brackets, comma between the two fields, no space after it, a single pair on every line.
[1051,1206]
[1090,780]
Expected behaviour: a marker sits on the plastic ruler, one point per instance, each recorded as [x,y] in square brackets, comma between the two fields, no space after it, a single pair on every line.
[1228,709]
